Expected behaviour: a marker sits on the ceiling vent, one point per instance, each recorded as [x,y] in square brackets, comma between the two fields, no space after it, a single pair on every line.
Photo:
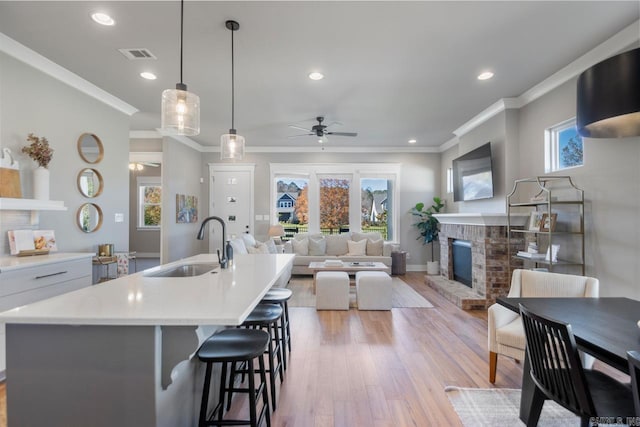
[137,53]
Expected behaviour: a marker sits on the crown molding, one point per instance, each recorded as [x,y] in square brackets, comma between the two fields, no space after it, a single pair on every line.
[144,134]
[449,144]
[615,44]
[40,63]
[145,156]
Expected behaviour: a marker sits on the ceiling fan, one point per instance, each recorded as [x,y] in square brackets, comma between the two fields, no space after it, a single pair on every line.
[321,131]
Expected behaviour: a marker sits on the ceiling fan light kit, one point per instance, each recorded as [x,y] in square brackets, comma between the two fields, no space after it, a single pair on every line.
[232,144]
[320,131]
[180,108]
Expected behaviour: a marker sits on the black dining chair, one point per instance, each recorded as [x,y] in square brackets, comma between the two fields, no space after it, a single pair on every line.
[634,371]
[557,372]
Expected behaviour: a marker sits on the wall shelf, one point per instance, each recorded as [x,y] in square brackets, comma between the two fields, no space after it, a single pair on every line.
[31,205]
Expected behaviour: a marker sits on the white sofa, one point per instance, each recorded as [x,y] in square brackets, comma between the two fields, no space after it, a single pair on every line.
[317,247]
[247,244]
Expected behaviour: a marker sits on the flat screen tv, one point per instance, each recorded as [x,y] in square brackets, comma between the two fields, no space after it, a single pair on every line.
[473,176]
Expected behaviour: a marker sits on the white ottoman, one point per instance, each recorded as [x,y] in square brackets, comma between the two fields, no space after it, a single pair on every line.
[332,290]
[373,290]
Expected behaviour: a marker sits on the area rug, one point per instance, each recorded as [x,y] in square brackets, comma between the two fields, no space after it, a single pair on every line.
[501,407]
[402,296]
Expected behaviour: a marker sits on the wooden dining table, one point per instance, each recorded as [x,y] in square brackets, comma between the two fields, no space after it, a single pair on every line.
[605,328]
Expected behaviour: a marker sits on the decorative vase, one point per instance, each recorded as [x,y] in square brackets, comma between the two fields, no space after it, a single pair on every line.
[41,183]
[433,268]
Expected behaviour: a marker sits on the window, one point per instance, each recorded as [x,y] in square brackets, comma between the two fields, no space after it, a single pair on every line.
[334,204]
[336,197]
[563,147]
[149,203]
[375,195]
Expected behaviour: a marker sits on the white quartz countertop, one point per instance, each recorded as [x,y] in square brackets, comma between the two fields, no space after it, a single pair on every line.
[224,298]
[11,263]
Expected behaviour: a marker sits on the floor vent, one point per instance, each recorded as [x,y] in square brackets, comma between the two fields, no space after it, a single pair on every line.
[137,53]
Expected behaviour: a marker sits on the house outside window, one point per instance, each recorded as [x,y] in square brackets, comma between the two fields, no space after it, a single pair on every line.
[336,198]
[149,203]
[564,148]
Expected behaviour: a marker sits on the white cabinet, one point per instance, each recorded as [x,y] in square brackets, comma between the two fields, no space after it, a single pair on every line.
[36,279]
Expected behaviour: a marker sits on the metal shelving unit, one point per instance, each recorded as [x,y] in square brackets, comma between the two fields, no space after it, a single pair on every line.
[551,195]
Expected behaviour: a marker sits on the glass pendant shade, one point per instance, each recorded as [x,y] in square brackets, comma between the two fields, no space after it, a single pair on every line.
[180,112]
[231,146]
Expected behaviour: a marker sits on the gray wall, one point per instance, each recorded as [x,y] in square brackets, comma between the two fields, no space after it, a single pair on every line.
[181,175]
[610,178]
[419,182]
[494,131]
[32,101]
[142,241]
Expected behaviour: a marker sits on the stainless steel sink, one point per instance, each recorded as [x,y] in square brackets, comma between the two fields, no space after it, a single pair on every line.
[185,270]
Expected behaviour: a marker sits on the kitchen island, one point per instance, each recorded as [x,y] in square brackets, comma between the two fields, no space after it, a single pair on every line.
[122,352]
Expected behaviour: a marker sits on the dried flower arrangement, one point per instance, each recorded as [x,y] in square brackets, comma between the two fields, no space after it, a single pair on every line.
[39,150]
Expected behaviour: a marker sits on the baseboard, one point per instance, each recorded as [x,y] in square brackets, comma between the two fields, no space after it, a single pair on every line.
[147,254]
[417,267]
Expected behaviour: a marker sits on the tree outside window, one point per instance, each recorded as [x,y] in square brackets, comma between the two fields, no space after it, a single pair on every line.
[563,147]
[334,204]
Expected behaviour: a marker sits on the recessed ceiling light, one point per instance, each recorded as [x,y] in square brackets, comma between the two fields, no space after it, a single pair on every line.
[147,75]
[316,76]
[412,141]
[102,18]
[485,76]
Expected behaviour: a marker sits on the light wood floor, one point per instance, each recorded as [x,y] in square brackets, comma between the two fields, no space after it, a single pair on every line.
[384,368]
[380,368]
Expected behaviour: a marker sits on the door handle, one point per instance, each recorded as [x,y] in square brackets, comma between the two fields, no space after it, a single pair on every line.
[52,274]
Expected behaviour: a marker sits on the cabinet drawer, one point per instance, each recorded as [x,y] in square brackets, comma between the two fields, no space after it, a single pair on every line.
[44,292]
[13,282]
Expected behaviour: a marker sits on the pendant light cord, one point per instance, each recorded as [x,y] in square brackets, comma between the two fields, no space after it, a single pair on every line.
[181,34]
[232,84]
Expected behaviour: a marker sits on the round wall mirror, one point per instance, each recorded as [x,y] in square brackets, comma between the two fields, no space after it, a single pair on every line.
[89,217]
[90,182]
[90,148]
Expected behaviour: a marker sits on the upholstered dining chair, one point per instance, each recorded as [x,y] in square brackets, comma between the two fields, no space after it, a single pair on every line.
[556,370]
[505,332]
[634,372]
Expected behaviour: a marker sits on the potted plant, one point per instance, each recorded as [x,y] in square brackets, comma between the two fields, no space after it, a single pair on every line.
[428,228]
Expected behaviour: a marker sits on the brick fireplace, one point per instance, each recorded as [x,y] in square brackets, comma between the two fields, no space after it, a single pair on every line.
[490,277]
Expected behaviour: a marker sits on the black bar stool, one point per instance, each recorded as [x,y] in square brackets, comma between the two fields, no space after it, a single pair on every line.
[265,316]
[235,345]
[281,297]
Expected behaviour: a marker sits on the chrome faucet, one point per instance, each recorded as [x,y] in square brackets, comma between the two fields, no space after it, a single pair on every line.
[223,259]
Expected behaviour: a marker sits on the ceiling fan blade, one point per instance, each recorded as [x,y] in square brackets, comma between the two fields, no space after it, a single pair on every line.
[334,123]
[153,165]
[343,133]
[304,134]
[300,128]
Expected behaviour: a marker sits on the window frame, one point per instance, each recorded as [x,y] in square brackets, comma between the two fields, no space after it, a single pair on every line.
[141,182]
[552,146]
[352,171]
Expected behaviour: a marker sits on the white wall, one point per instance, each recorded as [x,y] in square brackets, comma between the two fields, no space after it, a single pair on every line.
[32,101]
[419,182]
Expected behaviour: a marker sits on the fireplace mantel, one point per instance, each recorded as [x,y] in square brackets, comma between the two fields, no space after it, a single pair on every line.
[486,219]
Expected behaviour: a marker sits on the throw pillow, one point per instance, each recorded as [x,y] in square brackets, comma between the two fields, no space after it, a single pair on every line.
[337,244]
[374,247]
[238,246]
[317,246]
[260,248]
[271,246]
[249,240]
[357,248]
[301,247]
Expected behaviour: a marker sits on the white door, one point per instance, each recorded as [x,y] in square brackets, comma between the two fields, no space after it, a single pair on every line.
[231,198]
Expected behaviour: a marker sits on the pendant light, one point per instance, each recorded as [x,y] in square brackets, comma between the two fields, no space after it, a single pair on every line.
[608,97]
[180,108]
[232,144]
